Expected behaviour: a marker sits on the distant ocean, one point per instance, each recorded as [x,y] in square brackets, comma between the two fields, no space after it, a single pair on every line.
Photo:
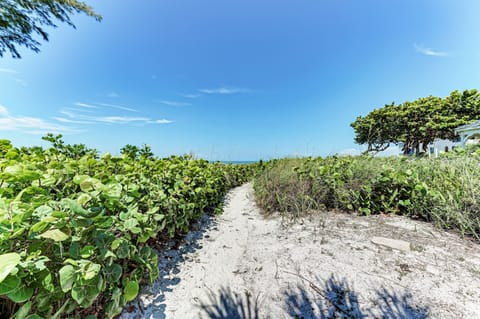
[238,162]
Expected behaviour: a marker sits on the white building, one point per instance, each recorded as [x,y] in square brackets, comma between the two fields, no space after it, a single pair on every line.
[441,146]
[469,134]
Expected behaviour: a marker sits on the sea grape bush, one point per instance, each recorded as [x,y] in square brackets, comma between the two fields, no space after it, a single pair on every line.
[445,191]
[77,231]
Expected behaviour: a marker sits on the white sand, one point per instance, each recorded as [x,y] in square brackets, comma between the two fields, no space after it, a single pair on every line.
[325,267]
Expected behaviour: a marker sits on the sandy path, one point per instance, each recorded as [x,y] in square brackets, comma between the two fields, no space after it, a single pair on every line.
[330,265]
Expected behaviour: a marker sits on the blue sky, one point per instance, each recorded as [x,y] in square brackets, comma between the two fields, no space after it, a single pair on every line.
[236,80]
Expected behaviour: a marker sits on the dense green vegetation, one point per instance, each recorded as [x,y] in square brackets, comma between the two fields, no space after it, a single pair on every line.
[445,191]
[416,124]
[77,232]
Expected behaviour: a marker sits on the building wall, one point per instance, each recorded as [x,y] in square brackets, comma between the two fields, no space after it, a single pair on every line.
[441,146]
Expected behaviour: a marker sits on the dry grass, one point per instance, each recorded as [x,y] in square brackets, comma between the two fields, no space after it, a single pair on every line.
[445,191]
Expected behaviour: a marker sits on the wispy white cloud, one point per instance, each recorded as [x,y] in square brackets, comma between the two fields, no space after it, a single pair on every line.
[174,103]
[428,51]
[113,94]
[162,121]
[88,106]
[70,113]
[30,125]
[118,107]
[121,119]
[9,71]
[225,90]
[64,120]
[82,118]
[191,96]
[105,105]
[81,110]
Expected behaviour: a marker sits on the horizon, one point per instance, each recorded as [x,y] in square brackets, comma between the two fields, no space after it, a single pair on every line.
[237,81]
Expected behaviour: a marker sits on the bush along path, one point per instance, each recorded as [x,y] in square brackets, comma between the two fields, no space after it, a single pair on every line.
[444,191]
[242,265]
[77,231]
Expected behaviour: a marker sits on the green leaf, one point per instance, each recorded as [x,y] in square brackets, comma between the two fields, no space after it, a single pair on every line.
[87,251]
[136,230]
[86,182]
[92,292]
[113,190]
[113,273]
[48,180]
[23,311]
[123,250]
[91,270]
[67,277]
[43,211]
[47,283]
[7,263]
[55,234]
[114,308]
[38,227]
[78,294]
[79,210]
[34,316]
[131,290]
[74,250]
[115,244]
[9,284]
[130,223]
[158,217]
[21,294]
[83,199]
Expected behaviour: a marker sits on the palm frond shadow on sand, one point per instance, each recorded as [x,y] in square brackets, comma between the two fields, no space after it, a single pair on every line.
[231,305]
[336,299]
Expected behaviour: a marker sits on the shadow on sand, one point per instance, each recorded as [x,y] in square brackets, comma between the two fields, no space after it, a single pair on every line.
[336,299]
[232,305]
[171,255]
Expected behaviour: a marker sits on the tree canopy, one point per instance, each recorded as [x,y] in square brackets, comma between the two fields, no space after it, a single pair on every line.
[21,21]
[415,124]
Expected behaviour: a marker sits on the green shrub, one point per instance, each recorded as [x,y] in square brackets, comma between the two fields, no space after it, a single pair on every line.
[445,191]
[76,232]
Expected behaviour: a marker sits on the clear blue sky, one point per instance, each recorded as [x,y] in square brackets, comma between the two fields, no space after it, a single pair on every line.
[236,80]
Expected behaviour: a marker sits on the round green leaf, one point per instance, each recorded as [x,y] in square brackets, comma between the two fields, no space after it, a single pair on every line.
[78,294]
[131,290]
[91,270]
[78,209]
[9,284]
[87,251]
[55,234]
[113,273]
[67,277]
[22,294]
[7,263]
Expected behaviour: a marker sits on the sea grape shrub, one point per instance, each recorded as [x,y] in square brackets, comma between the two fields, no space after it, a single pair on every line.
[75,230]
[445,191]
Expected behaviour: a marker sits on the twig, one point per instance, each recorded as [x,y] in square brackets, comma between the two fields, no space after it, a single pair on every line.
[276,271]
